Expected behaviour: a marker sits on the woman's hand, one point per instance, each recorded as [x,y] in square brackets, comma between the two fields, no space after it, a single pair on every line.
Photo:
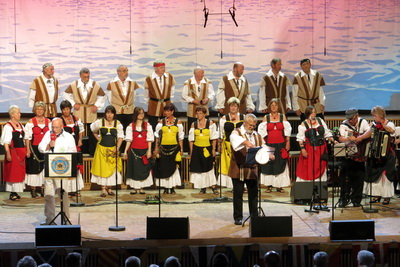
[304,153]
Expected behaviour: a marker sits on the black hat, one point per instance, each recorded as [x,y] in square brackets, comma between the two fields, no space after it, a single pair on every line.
[350,113]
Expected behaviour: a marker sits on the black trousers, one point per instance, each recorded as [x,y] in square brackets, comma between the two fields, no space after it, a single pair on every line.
[125,120]
[153,121]
[352,181]
[92,139]
[238,189]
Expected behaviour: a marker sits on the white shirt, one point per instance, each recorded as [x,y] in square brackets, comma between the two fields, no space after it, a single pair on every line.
[100,100]
[221,92]
[181,134]
[29,129]
[51,91]
[361,128]
[123,85]
[237,140]
[302,130]
[261,93]
[262,128]
[65,142]
[213,133]
[95,127]
[188,99]
[6,135]
[160,85]
[296,90]
[149,135]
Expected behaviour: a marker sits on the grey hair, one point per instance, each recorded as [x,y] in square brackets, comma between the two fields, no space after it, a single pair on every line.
[12,109]
[197,69]
[275,60]
[121,66]
[132,261]
[27,261]
[250,117]
[39,104]
[365,257]
[84,70]
[320,259]
[46,65]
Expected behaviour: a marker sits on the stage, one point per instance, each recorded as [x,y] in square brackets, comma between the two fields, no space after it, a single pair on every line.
[211,222]
[208,219]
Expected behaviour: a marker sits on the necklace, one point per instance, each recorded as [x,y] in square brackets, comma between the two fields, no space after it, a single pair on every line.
[170,121]
[274,116]
[233,116]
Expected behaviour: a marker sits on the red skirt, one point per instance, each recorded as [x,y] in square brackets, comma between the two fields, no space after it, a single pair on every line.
[313,166]
[15,170]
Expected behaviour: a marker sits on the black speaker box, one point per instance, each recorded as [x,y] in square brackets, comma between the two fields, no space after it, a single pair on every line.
[167,228]
[58,235]
[356,230]
[271,226]
[302,191]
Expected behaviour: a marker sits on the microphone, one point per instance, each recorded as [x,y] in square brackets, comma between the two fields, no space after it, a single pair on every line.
[53,137]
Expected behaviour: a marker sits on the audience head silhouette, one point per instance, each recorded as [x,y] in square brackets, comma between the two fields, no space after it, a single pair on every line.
[272,259]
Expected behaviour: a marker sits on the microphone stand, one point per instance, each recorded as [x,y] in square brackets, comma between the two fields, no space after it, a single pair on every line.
[220,198]
[320,206]
[116,227]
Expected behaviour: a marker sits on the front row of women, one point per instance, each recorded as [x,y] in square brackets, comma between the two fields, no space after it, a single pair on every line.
[21,143]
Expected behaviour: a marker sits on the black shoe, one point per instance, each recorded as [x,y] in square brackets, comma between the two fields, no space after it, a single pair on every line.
[166,191]
[173,191]
[376,200]
[238,222]
[342,203]
[356,205]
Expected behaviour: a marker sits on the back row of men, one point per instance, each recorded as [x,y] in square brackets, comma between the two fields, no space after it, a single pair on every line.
[87,96]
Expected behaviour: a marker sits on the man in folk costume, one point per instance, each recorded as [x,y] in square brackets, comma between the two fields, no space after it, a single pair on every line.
[87,97]
[242,139]
[234,84]
[197,91]
[275,84]
[159,88]
[121,94]
[45,88]
[353,165]
[308,90]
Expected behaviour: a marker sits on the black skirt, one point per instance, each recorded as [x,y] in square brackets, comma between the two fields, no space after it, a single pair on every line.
[135,168]
[166,165]
[277,166]
[198,162]
[35,163]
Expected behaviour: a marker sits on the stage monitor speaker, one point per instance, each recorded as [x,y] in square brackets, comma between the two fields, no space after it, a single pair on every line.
[58,235]
[271,226]
[352,230]
[302,191]
[167,228]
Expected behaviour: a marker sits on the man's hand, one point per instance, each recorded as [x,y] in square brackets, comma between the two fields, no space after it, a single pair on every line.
[196,102]
[93,109]
[77,107]
[298,112]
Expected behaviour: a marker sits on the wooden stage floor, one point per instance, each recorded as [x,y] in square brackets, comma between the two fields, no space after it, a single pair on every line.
[208,220]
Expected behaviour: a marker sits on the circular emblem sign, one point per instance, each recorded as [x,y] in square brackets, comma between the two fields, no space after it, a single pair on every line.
[60,165]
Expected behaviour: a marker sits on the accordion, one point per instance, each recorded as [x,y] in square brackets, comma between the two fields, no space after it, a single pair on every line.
[379,145]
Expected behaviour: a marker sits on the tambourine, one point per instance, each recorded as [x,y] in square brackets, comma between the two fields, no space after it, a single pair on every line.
[262,155]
